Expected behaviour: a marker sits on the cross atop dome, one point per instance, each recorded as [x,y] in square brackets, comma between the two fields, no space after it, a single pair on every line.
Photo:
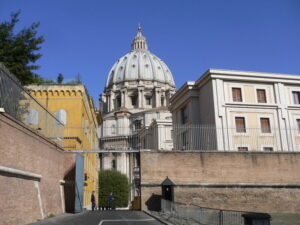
[139,41]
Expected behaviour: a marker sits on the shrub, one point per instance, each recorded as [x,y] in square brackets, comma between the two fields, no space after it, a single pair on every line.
[115,182]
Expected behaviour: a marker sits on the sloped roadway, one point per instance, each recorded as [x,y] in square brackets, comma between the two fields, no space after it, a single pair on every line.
[114,217]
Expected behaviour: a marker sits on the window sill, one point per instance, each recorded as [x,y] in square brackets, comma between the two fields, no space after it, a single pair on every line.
[266,134]
[241,134]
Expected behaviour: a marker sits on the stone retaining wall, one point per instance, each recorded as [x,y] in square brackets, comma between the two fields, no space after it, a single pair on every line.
[246,181]
[32,173]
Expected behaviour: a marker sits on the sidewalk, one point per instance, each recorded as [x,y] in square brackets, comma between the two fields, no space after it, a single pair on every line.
[277,219]
[167,219]
[56,219]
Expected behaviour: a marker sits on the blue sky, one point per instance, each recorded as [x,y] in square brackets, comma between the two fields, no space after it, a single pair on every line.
[87,37]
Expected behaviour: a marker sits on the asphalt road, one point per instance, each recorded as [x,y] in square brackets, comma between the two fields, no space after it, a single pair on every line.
[114,217]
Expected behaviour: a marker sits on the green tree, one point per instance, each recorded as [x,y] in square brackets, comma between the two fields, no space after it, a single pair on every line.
[18,51]
[60,78]
[115,182]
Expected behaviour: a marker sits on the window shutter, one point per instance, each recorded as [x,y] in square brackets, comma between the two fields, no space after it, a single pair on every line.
[236,94]
[296,96]
[265,125]
[240,124]
[261,96]
[61,116]
[33,117]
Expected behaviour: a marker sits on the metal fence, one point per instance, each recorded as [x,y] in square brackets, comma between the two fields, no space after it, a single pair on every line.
[18,103]
[178,213]
[201,138]
[208,137]
[75,136]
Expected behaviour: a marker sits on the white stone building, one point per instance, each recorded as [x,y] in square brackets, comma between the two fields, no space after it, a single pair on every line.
[238,111]
[137,92]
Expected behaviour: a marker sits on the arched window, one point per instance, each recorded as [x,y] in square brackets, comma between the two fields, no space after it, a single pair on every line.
[61,115]
[33,117]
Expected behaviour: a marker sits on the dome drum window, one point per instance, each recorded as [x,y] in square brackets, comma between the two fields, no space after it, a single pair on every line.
[118,102]
[162,101]
[148,100]
[134,100]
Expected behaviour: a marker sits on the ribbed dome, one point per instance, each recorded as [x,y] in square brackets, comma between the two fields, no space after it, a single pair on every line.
[139,64]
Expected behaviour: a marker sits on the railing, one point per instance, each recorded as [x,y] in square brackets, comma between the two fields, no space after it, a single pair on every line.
[202,138]
[75,136]
[18,103]
[178,213]
[206,137]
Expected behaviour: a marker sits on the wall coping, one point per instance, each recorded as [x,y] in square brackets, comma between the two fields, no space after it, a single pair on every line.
[37,134]
[20,172]
[226,185]
[219,152]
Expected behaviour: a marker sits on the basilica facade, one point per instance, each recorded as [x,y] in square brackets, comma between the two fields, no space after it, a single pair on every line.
[137,94]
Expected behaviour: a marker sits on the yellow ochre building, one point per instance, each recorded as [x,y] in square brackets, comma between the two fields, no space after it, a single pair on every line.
[74,108]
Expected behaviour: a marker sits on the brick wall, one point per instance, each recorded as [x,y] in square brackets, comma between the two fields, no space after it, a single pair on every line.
[25,150]
[268,182]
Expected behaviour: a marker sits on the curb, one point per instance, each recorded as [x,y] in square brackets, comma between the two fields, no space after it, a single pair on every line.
[157,218]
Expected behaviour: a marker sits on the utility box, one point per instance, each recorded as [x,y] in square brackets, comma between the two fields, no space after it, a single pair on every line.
[257,219]
[167,190]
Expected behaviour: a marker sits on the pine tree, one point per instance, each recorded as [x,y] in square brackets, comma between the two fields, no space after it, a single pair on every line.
[18,51]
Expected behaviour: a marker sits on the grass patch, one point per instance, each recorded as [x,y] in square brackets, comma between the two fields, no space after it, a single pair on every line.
[50,215]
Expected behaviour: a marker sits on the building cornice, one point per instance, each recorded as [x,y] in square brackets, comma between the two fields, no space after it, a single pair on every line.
[182,90]
[248,76]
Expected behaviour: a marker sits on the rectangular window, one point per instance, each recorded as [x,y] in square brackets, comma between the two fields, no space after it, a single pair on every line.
[268,149]
[184,115]
[242,149]
[237,94]
[134,100]
[113,129]
[240,124]
[162,101]
[261,96]
[118,102]
[184,141]
[114,164]
[298,125]
[265,125]
[137,125]
[296,97]
[148,100]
